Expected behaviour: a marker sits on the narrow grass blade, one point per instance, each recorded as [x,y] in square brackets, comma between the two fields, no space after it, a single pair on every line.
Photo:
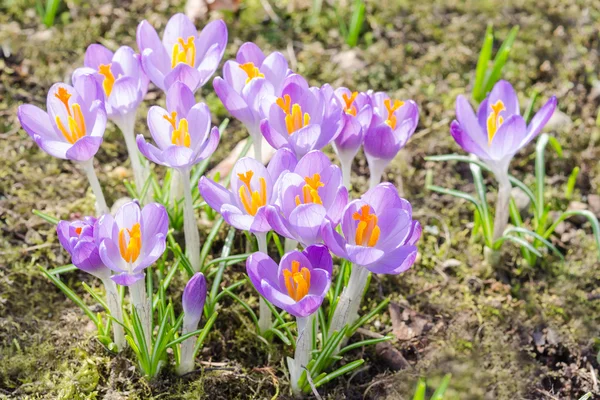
[584,213]
[485,56]
[362,343]
[500,60]
[339,372]
[441,390]
[356,23]
[537,236]
[46,217]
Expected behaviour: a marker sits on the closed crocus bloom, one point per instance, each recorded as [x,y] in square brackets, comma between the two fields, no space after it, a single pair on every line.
[133,240]
[120,76]
[378,232]
[74,123]
[183,54]
[243,207]
[182,133]
[194,296]
[79,240]
[498,131]
[309,194]
[393,123]
[247,80]
[357,115]
[303,118]
[298,284]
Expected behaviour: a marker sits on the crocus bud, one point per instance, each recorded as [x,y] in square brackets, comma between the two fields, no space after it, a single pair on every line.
[193,299]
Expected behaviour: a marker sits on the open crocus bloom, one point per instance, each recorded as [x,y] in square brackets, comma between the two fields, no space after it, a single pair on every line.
[378,232]
[182,132]
[358,113]
[298,284]
[251,190]
[303,118]
[120,76]
[393,123]
[72,128]
[183,55]
[498,131]
[247,80]
[133,240]
[309,194]
[79,239]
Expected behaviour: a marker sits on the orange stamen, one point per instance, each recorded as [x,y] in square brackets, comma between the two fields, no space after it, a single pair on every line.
[75,122]
[297,281]
[184,52]
[181,135]
[348,100]
[367,230]
[252,200]
[494,120]
[130,249]
[310,191]
[296,120]
[252,71]
[109,78]
[78,230]
[285,103]
[391,109]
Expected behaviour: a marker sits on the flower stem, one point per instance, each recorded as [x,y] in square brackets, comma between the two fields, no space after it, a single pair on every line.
[346,311]
[289,245]
[257,141]
[186,360]
[502,206]
[113,301]
[303,351]
[264,317]
[140,301]
[376,168]
[140,171]
[90,172]
[190,227]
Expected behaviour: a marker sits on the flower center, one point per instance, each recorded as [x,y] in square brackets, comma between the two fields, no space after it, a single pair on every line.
[252,200]
[184,52]
[78,230]
[109,78]
[75,120]
[310,191]
[349,100]
[367,231]
[130,243]
[391,109]
[297,281]
[494,121]
[181,135]
[294,119]
[252,71]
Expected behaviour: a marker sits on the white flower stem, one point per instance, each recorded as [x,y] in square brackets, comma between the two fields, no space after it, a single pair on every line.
[186,353]
[346,174]
[90,172]
[190,227]
[257,142]
[346,311]
[502,206]
[264,317]
[289,245]
[113,301]
[346,159]
[376,168]
[303,351]
[141,303]
[140,171]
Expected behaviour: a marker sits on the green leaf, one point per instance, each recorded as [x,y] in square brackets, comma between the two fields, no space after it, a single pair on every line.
[441,390]
[420,390]
[367,317]
[586,396]
[584,213]
[62,270]
[46,217]
[485,55]
[500,60]
[205,332]
[356,23]
[519,241]
[529,111]
[206,247]
[480,188]
[338,372]
[243,304]
[537,236]
[570,188]
[362,343]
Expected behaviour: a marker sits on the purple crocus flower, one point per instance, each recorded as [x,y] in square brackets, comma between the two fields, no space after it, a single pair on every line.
[393,123]
[194,296]
[298,284]
[309,194]
[303,118]
[498,131]
[378,232]
[120,76]
[182,132]
[133,240]
[183,55]
[79,239]
[243,207]
[72,128]
[247,80]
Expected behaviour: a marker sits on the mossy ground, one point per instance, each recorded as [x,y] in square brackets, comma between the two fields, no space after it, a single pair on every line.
[514,332]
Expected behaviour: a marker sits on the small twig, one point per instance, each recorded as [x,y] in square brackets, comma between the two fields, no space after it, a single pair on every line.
[312,384]
[292,56]
[269,10]
[368,333]
[594,378]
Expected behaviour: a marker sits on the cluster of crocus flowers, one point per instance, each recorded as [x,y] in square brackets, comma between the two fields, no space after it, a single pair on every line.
[495,135]
[72,128]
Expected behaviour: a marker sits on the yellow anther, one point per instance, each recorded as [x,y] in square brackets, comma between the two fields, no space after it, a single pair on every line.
[252,71]
[252,200]
[75,122]
[296,120]
[109,78]
[285,103]
[63,95]
[349,100]
[297,281]
[391,109]
[172,119]
[367,230]
[310,191]
[130,249]
[184,52]
[494,120]
[181,135]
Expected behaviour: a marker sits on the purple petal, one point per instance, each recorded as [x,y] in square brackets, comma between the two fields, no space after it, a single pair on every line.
[125,96]
[96,55]
[319,257]
[260,224]
[178,156]
[250,53]
[35,121]
[539,120]
[232,101]
[214,194]
[194,296]
[278,223]
[180,99]
[334,241]
[189,76]
[469,124]
[363,255]
[395,261]
[380,142]
[234,217]
[213,33]
[283,160]
[178,26]
[126,279]
[465,141]
[154,220]
[507,140]
[153,69]
[149,151]
[305,220]
[259,267]
[160,129]
[84,148]
[147,38]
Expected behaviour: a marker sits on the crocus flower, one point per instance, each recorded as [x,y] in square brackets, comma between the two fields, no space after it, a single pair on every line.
[303,118]
[378,232]
[300,282]
[247,80]
[182,132]
[498,131]
[357,115]
[243,207]
[133,240]
[393,123]
[72,128]
[194,296]
[183,55]
[79,239]
[309,194]
[120,76]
